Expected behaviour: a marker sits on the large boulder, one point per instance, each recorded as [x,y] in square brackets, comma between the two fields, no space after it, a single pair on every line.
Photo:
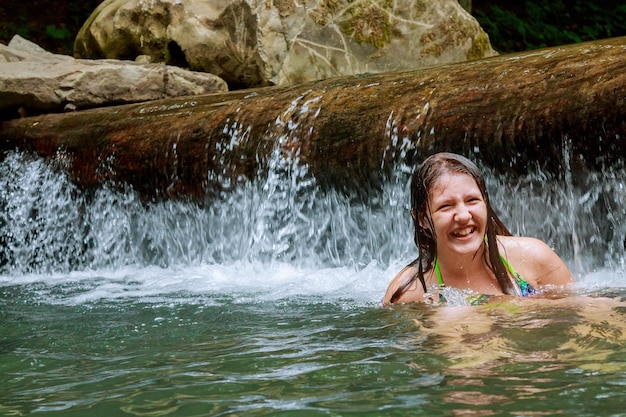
[253,43]
[33,80]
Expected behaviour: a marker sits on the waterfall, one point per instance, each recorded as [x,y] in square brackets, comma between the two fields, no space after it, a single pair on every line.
[49,226]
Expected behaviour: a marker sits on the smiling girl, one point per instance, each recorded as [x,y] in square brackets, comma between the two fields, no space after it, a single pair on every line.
[463,244]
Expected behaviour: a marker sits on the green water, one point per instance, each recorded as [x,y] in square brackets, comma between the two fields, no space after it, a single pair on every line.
[218,355]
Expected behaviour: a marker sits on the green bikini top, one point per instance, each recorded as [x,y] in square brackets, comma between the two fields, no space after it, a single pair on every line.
[525,289]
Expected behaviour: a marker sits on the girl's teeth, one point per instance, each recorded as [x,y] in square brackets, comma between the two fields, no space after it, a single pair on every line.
[464,232]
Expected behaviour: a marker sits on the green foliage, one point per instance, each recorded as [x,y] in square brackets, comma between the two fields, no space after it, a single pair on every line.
[9,29]
[57,33]
[537,24]
[52,24]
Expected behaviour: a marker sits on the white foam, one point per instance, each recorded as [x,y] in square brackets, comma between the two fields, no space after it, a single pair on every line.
[249,282]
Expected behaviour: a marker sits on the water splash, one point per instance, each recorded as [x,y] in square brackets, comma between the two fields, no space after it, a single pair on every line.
[283,219]
[48,225]
[581,215]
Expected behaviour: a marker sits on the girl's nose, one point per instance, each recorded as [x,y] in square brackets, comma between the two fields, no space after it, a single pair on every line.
[462,214]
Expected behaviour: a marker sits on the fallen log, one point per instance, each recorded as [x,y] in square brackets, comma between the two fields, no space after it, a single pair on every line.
[508,111]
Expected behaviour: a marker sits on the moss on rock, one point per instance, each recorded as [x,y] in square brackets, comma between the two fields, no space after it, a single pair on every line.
[368,25]
[480,47]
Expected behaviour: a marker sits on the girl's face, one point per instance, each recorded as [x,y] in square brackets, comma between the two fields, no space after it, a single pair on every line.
[459,214]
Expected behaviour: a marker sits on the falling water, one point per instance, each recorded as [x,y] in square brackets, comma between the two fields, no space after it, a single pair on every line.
[282,221]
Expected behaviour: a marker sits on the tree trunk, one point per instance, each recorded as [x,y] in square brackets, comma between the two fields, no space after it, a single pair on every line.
[506,111]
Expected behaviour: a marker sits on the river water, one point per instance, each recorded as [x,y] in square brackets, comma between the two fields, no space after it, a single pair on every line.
[266,301]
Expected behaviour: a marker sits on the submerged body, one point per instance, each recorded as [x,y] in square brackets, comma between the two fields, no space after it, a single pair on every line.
[453,222]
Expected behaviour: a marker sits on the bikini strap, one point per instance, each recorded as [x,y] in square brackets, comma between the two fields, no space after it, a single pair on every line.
[504,261]
[438,273]
[508,266]
[524,287]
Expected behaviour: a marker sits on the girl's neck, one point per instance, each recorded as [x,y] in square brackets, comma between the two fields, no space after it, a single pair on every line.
[460,271]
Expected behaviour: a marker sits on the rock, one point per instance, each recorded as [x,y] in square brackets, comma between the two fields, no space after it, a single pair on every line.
[33,80]
[513,112]
[252,43]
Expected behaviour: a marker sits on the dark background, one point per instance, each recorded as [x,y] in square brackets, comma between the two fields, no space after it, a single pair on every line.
[512,26]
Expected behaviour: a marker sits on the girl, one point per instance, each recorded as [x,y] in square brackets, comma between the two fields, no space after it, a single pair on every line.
[463,244]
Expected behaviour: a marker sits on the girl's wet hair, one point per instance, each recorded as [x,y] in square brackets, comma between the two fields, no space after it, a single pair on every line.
[423,180]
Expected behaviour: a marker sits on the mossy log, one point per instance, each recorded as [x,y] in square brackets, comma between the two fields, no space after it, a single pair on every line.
[507,111]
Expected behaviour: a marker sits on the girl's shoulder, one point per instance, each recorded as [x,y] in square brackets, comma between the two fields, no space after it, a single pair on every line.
[414,292]
[523,243]
[525,248]
[534,260]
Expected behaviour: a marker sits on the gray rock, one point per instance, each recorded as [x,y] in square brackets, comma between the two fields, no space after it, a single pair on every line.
[253,43]
[38,81]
